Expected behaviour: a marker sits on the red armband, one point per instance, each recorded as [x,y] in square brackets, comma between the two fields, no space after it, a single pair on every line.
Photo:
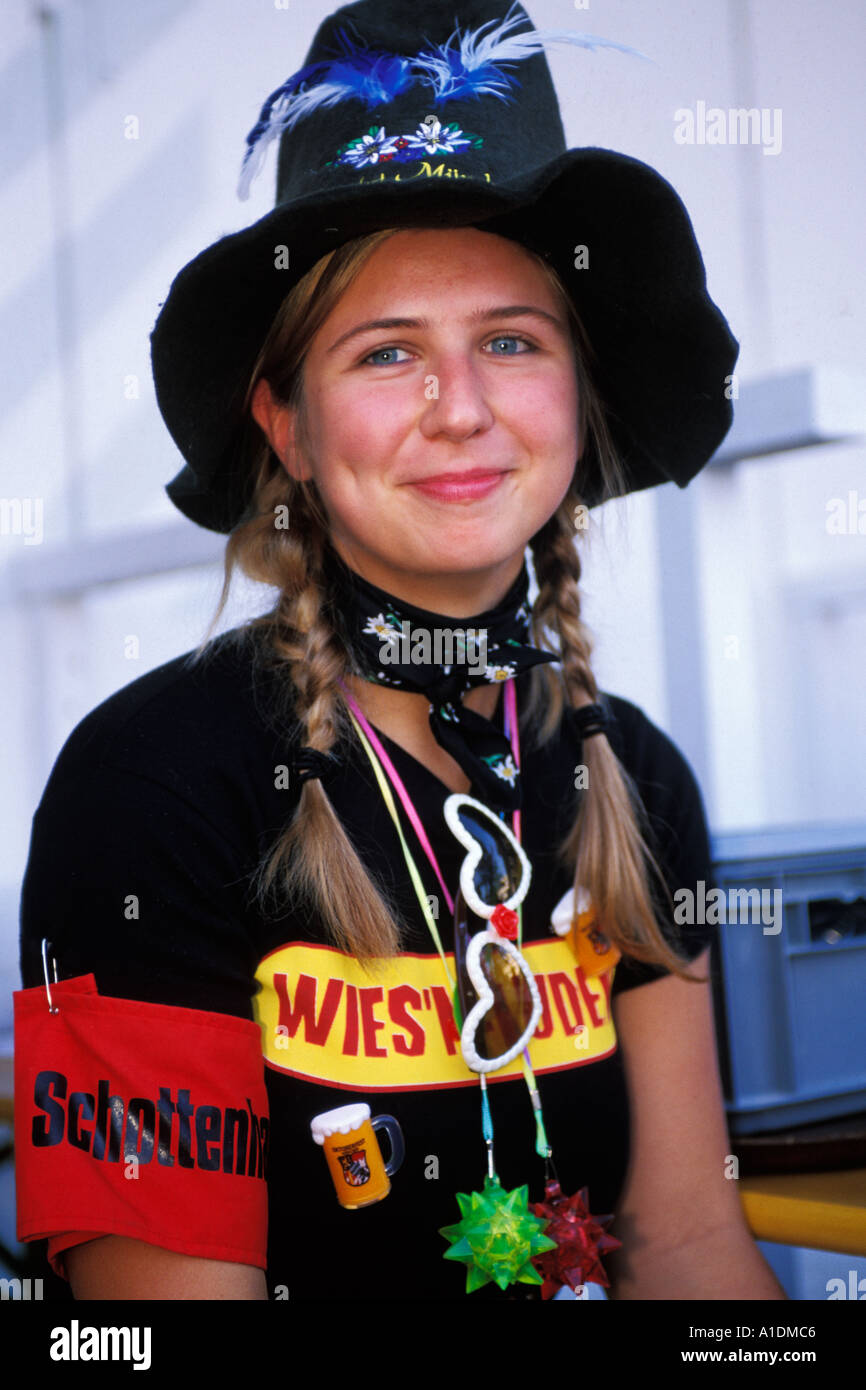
[141,1120]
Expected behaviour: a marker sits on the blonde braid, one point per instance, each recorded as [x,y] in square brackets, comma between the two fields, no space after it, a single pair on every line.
[314,858]
[607,845]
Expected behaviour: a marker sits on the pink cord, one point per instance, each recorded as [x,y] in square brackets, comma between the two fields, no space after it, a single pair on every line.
[397,781]
[511,732]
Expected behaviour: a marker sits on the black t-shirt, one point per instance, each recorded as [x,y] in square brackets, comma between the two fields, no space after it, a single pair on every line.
[170,792]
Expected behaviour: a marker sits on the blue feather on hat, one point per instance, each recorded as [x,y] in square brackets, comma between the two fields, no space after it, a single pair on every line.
[471,69]
[373,77]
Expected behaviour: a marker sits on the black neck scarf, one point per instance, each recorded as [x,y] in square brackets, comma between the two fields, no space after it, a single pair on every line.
[394,643]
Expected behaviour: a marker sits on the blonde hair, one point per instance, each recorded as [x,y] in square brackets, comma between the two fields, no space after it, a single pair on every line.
[313,858]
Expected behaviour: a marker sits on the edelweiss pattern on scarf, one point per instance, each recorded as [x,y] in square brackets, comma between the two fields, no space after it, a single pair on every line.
[397,644]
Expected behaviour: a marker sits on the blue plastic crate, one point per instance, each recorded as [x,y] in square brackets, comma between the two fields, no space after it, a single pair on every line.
[791,1003]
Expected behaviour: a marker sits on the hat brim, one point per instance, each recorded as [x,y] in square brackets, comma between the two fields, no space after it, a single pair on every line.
[663,350]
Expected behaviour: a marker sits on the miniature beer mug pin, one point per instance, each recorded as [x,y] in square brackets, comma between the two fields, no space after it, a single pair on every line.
[348,1136]
[577,920]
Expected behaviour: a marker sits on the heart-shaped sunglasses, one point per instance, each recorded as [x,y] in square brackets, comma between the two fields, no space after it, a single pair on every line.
[498,998]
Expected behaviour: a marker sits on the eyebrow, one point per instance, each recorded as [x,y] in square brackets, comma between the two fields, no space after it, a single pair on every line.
[508,311]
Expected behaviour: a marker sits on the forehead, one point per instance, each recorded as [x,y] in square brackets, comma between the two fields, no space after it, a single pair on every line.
[432,277]
[439,262]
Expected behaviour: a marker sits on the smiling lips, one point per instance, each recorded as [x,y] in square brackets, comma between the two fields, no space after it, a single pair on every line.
[460,487]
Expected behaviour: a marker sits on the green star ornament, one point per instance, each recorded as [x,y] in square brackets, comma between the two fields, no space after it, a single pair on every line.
[497,1237]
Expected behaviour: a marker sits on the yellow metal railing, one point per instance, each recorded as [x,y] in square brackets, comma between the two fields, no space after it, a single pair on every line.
[820,1211]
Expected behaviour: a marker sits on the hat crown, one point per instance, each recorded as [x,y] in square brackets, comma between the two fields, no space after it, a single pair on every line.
[397,93]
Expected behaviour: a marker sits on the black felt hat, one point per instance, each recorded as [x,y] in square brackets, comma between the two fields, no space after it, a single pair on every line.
[443,113]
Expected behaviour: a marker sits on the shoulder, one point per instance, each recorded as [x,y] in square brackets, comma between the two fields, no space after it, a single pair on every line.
[661,774]
[158,807]
[188,723]
[674,825]
[176,705]
[646,751]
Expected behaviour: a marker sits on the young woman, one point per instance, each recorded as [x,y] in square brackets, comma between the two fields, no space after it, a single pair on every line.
[305,825]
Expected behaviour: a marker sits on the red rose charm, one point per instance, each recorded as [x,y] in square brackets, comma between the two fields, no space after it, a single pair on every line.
[506,921]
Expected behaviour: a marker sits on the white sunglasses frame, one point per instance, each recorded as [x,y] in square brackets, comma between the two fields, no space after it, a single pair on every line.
[473,858]
[490,937]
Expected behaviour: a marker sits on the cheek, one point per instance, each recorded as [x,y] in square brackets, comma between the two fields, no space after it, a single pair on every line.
[351,444]
[556,447]
[356,434]
[553,431]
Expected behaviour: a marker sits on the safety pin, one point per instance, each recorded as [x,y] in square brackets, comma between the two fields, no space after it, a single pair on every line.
[46,947]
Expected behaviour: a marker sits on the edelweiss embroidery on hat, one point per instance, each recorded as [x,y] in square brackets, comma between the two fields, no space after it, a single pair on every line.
[431,137]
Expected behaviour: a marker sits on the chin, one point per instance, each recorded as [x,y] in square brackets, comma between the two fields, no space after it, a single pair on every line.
[469,556]
[481,542]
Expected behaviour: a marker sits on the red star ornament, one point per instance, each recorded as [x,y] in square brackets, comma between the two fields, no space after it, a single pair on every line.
[580,1241]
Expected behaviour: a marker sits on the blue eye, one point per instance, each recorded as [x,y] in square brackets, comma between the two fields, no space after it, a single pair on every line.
[380,352]
[511,338]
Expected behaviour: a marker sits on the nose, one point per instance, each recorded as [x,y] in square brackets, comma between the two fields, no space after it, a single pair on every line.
[456,404]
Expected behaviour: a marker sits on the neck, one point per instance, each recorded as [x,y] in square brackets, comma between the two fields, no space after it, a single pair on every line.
[455,595]
[403,716]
